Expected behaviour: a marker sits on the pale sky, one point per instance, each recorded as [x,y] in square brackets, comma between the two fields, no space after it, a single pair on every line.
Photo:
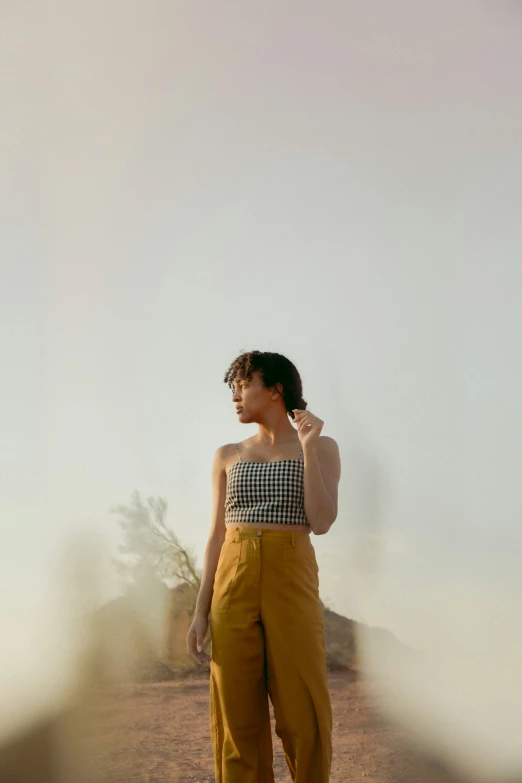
[337,182]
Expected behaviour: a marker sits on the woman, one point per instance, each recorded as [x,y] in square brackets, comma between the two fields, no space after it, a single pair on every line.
[260,585]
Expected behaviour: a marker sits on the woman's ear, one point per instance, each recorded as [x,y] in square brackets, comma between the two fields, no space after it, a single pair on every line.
[278,387]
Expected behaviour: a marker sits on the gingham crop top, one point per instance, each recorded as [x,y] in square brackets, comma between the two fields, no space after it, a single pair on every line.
[266,492]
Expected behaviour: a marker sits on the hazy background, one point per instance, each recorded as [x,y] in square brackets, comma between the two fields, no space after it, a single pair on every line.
[339,182]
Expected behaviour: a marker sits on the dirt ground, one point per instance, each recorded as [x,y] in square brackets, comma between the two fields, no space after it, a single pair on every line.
[159,733]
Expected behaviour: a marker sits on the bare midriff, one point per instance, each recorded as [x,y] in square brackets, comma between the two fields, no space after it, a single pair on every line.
[270,526]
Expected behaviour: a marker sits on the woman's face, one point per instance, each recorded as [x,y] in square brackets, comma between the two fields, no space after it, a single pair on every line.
[251,398]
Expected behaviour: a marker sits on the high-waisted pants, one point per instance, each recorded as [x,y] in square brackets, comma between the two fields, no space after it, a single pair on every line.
[268,639]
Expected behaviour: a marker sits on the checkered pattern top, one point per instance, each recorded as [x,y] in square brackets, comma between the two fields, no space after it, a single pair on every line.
[266,492]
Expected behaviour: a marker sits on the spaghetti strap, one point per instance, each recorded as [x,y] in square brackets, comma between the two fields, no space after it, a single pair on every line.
[238,454]
[301,454]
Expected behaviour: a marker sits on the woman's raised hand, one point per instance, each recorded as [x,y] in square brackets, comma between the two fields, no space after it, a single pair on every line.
[308,426]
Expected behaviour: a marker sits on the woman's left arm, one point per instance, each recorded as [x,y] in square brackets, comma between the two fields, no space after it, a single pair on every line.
[322,471]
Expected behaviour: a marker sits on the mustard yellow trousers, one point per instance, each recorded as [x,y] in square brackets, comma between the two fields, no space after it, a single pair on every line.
[267,633]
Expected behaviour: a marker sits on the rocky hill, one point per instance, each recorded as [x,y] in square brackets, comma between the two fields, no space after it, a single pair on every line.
[140,640]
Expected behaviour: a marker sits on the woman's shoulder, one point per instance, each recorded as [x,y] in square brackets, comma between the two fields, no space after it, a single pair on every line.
[327,443]
[328,455]
[226,455]
[229,449]
[224,452]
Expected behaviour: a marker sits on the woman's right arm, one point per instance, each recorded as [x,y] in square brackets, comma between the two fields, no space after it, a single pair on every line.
[198,629]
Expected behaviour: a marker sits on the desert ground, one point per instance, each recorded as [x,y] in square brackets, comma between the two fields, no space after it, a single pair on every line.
[159,733]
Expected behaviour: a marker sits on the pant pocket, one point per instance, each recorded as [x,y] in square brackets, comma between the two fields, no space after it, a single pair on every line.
[225,577]
[301,580]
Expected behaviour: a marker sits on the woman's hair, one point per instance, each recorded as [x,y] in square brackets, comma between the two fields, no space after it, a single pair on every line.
[273,368]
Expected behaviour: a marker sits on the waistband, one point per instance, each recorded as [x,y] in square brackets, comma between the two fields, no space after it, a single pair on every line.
[243,533]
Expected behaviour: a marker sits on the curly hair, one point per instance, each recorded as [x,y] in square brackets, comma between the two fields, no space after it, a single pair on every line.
[273,368]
